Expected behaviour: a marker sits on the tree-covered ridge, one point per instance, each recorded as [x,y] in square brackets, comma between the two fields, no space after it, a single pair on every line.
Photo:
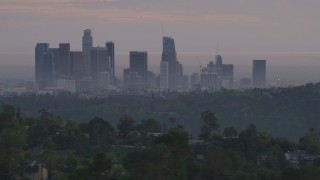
[284,112]
[148,150]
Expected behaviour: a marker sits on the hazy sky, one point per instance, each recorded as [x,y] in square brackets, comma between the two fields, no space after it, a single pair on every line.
[196,25]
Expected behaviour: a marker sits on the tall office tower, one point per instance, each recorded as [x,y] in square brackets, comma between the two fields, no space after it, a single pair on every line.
[55,59]
[139,64]
[169,55]
[87,44]
[227,74]
[218,60]
[99,63]
[110,48]
[63,65]
[47,70]
[259,73]
[40,50]
[77,68]
[209,80]
[164,75]
[210,77]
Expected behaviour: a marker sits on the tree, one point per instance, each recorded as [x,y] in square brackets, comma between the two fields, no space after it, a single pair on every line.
[249,140]
[12,154]
[230,132]
[125,125]
[210,126]
[149,126]
[170,157]
[100,131]
[101,165]
[311,141]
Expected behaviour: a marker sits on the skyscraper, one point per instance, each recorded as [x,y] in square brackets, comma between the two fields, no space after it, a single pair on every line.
[169,55]
[218,60]
[47,71]
[55,59]
[164,75]
[209,78]
[86,49]
[99,62]
[77,68]
[139,63]
[40,50]
[259,73]
[227,73]
[63,65]
[110,48]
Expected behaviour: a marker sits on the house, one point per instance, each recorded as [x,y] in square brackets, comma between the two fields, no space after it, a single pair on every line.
[35,171]
[300,157]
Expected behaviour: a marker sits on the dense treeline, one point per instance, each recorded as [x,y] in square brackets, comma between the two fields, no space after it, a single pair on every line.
[146,149]
[284,112]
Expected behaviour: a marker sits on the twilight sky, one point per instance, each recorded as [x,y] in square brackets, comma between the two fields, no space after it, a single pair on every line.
[196,25]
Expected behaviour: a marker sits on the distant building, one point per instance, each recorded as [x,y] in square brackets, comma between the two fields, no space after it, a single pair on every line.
[259,73]
[66,85]
[139,63]
[35,171]
[110,49]
[152,80]
[87,44]
[85,84]
[209,79]
[104,80]
[77,68]
[55,59]
[227,74]
[47,70]
[218,61]
[40,50]
[63,64]
[169,55]
[245,82]
[216,75]
[99,63]
[164,75]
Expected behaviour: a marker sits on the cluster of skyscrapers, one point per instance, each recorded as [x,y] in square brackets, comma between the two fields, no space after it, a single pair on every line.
[87,70]
[93,69]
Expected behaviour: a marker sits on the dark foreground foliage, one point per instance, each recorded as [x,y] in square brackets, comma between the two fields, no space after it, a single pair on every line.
[147,150]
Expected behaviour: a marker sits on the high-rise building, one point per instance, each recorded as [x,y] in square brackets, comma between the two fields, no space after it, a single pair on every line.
[63,65]
[218,60]
[139,63]
[110,48]
[87,44]
[77,68]
[47,70]
[99,63]
[55,59]
[104,80]
[164,75]
[40,50]
[209,80]
[259,73]
[245,82]
[169,55]
[227,74]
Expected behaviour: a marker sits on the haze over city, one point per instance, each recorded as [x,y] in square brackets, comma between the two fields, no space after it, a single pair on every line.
[283,32]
